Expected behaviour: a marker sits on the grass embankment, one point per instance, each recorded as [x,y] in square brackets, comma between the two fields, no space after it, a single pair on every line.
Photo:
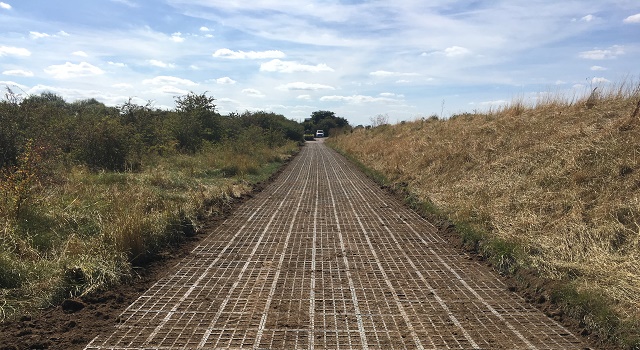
[83,231]
[552,188]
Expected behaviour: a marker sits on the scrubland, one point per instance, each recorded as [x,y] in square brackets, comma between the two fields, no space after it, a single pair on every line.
[551,187]
[90,193]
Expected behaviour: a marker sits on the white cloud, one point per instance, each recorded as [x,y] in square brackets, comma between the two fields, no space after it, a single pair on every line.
[5,6]
[170,90]
[126,2]
[598,68]
[560,82]
[225,81]
[305,86]
[227,100]
[80,53]
[453,51]
[600,80]
[117,64]
[612,52]
[18,73]
[273,107]
[13,84]
[469,51]
[277,65]
[226,53]
[14,51]
[588,18]
[70,70]
[456,51]
[177,37]
[384,74]
[122,86]
[253,92]
[391,94]
[73,94]
[38,35]
[168,80]
[357,99]
[157,63]
[632,19]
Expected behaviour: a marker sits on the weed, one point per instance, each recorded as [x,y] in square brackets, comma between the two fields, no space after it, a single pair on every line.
[10,274]
[19,184]
[87,230]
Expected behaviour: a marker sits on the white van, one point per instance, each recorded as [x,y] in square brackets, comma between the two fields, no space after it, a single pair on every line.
[319,133]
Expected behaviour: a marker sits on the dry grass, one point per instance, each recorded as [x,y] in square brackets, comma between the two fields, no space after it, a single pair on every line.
[560,179]
[84,231]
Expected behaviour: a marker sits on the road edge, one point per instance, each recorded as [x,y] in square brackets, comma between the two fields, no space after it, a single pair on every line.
[537,291]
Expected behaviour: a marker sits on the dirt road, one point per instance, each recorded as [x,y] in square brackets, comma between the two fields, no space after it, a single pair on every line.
[324,259]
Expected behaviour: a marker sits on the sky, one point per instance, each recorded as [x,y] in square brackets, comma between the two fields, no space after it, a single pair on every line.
[405,59]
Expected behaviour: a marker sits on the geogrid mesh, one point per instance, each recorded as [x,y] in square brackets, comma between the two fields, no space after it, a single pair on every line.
[324,259]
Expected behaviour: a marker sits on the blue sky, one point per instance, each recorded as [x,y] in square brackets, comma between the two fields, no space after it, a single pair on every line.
[404,58]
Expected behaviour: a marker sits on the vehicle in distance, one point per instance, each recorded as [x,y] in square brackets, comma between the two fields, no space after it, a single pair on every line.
[319,133]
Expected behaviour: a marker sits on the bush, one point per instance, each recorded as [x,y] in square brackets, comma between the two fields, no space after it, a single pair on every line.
[10,134]
[18,183]
[108,145]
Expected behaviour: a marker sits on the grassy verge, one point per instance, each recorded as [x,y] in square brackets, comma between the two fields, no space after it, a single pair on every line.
[547,192]
[83,231]
[504,255]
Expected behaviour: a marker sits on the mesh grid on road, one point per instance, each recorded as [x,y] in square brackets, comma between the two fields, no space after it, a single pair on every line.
[324,259]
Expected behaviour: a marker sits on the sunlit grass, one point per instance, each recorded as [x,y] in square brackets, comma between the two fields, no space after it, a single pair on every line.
[558,179]
[85,230]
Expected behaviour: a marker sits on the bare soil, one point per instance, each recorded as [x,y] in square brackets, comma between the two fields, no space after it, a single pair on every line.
[75,322]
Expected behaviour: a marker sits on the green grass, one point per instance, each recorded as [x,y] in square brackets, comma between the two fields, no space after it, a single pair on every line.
[85,231]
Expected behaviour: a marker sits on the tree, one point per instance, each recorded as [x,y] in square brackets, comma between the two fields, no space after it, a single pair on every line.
[106,144]
[325,120]
[273,124]
[147,124]
[10,133]
[46,98]
[317,116]
[192,102]
[197,121]
[42,115]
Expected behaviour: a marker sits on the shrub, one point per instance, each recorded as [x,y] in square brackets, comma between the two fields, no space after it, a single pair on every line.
[108,145]
[19,183]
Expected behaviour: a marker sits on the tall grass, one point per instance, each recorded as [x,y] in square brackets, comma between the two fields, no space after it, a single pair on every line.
[559,179]
[84,231]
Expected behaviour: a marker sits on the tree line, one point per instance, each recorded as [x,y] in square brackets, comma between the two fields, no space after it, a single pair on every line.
[87,132]
[326,121]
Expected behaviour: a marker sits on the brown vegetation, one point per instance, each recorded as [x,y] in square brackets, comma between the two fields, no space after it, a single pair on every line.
[86,231]
[556,183]
[89,192]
